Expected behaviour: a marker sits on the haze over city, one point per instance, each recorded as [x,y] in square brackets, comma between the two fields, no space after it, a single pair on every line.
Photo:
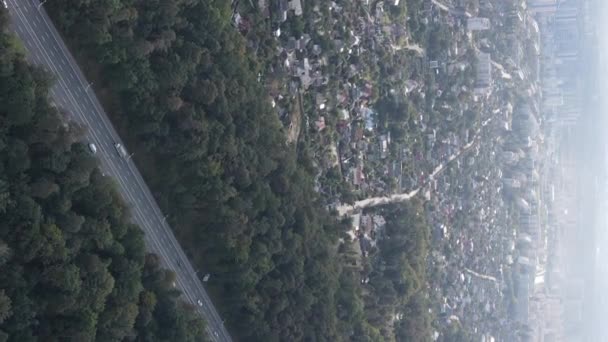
[304,170]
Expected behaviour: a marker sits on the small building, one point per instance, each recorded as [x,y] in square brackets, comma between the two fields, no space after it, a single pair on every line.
[409,86]
[302,71]
[296,7]
[320,124]
[356,221]
[282,10]
[384,142]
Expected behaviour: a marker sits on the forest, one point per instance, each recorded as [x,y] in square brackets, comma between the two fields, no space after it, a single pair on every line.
[72,266]
[398,282]
[181,81]
[240,200]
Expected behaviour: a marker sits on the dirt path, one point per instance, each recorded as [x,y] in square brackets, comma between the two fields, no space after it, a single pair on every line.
[295,125]
[346,209]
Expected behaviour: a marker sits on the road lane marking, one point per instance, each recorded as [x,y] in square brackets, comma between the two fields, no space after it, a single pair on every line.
[96,106]
[173,242]
[61,82]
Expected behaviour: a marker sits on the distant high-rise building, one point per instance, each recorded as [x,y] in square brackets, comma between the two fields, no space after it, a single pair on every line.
[547,317]
[553,99]
[523,297]
[478,24]
[534,3]
[542,6]
[567,11]
[511,183]
[566,39]
[483,77]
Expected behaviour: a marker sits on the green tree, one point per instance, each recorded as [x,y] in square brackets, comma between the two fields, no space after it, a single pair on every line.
[5,306]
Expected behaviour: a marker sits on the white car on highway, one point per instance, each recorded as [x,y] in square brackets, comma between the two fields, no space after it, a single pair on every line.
[4,4]
[121,150]
[199,302]
[92,148]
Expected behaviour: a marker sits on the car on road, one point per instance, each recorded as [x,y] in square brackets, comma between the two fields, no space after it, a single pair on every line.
[121,150]
[216,333]
[4,4]
[199,302]
[92,148]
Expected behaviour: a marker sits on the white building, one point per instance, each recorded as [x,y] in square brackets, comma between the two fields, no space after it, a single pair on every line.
[511,183]
[478,24]
[296,6]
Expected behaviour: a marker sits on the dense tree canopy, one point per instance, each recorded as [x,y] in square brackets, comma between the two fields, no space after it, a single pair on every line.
[398,282]
[72,266]
[241,200]
[188,93]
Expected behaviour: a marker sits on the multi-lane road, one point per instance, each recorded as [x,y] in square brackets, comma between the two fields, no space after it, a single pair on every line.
[73,93]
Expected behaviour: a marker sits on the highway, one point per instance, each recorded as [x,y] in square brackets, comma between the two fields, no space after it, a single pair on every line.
[73,93]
